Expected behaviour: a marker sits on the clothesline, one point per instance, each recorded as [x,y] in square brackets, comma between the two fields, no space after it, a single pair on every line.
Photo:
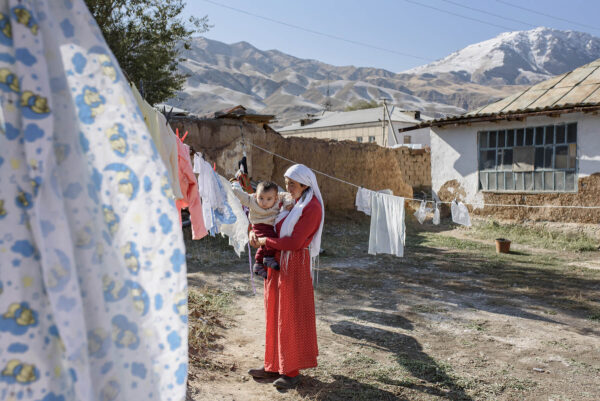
[433,201]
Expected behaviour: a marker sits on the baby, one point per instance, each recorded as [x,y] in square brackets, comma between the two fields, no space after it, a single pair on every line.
[264,207]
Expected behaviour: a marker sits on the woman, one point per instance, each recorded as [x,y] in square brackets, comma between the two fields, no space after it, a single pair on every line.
[291,335]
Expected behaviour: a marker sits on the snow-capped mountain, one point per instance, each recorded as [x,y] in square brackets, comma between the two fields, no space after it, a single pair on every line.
[272,82]
[522,57]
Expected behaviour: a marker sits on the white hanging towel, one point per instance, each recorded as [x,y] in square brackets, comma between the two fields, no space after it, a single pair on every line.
[421,213]
[436,214]
[387,224]
[460,213]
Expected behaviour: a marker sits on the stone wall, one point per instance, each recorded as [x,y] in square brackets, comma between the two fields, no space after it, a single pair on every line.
[588,194]
[367,165]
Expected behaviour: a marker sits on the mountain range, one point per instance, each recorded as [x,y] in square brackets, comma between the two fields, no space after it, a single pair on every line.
[271,82]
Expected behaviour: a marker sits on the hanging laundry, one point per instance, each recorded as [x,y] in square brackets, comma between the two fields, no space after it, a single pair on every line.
[189,189]
[387,233]
[164,139]
[422,212]
[210,191]
[363,199]
[232,220]
[242,176]
[93,294]
[460,213]
[436,214]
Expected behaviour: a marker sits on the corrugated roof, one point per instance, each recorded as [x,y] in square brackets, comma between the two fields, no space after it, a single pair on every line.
[577,89]
[337,118]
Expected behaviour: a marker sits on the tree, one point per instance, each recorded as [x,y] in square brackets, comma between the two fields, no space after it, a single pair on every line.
[146,37]
[362,104]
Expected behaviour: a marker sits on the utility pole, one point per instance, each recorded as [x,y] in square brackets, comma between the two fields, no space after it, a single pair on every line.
[391,127]
[384,136]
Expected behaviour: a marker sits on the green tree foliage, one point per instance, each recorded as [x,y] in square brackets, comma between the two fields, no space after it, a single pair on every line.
[146,37]
[362,104]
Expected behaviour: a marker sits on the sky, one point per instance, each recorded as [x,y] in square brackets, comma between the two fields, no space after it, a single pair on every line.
[399,34]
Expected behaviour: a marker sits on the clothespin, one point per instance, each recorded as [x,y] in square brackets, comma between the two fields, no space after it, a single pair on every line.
[184,136]
[177,132]
[168,114]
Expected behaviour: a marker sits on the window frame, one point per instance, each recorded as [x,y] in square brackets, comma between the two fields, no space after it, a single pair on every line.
[374,140]
[535,177]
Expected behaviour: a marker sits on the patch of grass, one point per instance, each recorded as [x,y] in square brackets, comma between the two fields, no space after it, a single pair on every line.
[477,326]
[358,359]
[422,308]
[595,316]
[538,237]
[206,310]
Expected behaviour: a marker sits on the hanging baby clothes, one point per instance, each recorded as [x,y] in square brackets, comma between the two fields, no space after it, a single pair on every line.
[189,189]
[164,139]
[460,213]
[210,191]
[387,224]
[232,220]
[436,214]
[421,213]
[93,298]
[363,201]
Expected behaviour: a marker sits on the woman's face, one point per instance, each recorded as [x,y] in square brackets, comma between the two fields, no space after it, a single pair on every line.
[294,188]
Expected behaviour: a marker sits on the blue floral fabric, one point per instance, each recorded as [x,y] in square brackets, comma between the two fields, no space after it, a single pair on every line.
[93,301]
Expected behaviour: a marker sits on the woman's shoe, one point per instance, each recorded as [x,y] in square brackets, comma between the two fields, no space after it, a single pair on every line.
[286,382]
[262,374]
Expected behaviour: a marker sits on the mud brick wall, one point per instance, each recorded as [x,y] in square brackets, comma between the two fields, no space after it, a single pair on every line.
[367,165]
[588,194]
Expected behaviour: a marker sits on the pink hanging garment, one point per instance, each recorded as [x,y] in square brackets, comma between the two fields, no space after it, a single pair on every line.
[189,189]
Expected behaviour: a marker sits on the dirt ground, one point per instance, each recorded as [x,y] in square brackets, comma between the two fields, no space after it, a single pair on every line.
[452,320]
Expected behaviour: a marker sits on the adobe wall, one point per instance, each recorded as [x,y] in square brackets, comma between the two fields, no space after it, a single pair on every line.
[367,165]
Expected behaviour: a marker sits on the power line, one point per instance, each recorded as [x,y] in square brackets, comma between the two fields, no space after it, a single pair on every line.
[458,15]
[354,42]
[488,13]
[547,15]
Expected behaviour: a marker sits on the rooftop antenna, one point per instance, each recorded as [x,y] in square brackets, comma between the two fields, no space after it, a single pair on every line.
[327,105]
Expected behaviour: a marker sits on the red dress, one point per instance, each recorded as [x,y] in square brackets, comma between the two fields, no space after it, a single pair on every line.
[291,336]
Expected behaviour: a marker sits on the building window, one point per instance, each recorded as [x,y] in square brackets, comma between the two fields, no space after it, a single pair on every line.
[532,159]
[359,139]
[407,139]
[371,139]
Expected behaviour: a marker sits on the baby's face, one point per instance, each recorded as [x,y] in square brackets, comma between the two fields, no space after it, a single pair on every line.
[266,199]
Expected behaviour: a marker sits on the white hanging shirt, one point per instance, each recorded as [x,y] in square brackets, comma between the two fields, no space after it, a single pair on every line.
[93,288]
[387,232]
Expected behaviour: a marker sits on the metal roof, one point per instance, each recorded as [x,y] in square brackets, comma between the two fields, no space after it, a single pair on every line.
[339,118]
[577,90]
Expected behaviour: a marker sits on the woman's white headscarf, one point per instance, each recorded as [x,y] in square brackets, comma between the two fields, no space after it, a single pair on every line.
[302,174]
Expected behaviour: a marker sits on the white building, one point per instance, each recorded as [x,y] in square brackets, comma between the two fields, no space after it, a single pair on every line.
[526,148]
[366,125]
